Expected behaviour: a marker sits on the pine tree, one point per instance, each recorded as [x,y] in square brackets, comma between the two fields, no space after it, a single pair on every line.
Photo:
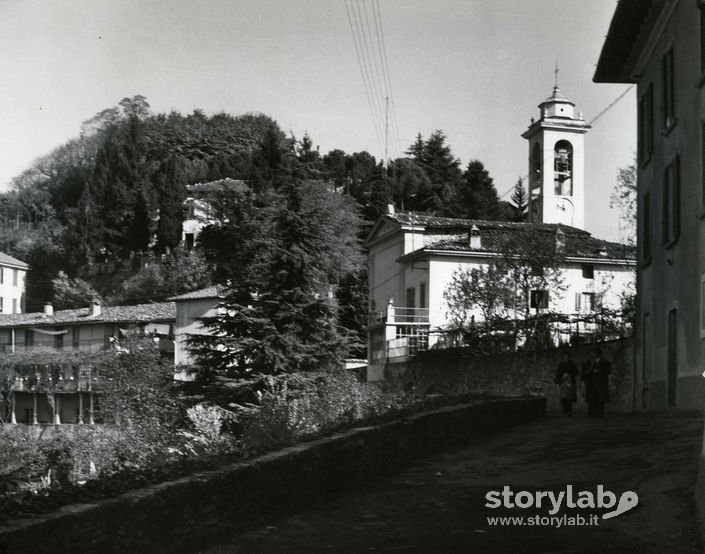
[479,196]
[520,201]
[380,194]
[171,185]
[138,234]
[279,259]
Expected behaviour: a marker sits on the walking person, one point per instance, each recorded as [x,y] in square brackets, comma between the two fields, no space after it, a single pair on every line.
[565,379]
[595,374]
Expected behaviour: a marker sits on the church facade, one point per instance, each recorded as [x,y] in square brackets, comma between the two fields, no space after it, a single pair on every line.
[413,258]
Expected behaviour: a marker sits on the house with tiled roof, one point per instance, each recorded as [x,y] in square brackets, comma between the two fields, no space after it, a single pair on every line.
[191,308]
[412,258]
[13,273]
[86,329]
[53,394]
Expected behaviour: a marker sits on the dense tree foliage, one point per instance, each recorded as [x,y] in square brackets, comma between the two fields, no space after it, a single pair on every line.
[107,210]
[279,256]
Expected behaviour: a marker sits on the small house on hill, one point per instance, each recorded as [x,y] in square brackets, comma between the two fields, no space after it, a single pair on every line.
[13,273]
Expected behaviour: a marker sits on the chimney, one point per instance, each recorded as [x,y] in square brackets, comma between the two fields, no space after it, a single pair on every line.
[475,241]
[95,308]
[48,309]
[390,209]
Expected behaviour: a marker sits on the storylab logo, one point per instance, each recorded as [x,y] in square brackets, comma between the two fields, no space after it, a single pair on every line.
[554,502]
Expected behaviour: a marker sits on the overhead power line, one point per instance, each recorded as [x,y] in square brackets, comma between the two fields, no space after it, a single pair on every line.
[370,48]
[603,112]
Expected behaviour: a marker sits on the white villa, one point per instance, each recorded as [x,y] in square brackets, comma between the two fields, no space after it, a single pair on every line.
[413,257]
[13,273]
[199,207]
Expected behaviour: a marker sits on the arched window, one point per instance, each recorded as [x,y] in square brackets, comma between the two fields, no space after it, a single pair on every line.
[535,179]
[563,168]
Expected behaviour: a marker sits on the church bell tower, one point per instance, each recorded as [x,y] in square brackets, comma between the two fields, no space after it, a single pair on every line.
[557,162]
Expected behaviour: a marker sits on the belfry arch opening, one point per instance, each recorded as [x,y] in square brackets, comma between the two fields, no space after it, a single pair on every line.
[535,180]
[563,168]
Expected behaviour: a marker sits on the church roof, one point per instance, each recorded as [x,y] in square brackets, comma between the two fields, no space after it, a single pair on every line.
[446,235]
[557,96]
[575,245]
[435,222]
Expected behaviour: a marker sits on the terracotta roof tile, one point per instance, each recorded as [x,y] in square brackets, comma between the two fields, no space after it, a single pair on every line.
[140,313]
[208,292]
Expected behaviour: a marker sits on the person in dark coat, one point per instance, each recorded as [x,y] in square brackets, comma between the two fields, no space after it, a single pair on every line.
[565,379]
[595,374]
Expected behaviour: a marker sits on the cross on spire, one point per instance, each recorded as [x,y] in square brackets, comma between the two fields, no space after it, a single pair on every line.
[556,73]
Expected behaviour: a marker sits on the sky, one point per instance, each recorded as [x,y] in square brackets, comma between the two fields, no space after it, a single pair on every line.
[475,69]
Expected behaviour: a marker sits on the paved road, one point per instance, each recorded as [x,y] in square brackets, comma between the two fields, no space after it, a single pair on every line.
[437,505]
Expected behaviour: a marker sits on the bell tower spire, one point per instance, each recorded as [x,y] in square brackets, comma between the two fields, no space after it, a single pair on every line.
[557,162]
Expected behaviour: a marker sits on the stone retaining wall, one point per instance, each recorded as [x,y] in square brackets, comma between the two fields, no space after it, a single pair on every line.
[181,515]
[459,371]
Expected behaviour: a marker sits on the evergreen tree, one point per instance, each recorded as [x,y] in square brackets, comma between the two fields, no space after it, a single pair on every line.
[407,180]
[137,234]
[520,201]
[279,260]
[171,185]
[380,194]
[438,193]
[479,196]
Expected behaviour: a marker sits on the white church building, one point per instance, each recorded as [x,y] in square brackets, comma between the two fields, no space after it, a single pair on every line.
[413,257]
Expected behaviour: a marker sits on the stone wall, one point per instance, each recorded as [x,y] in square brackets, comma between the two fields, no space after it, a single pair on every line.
[182,515]
[459,371]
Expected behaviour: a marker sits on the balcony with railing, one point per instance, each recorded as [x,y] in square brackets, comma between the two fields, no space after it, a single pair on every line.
[394,315]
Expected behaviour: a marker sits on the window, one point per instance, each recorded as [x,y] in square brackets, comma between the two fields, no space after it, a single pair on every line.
[645,139]
[411,297]
[1,304]
[75,337]
[584,301]
[190,209]
[189,242]
[59,342]
[539,299]
[670,203]
[563,168]
[28,338]
[422,295]
[14,306]
[2,275]
[668,93]
[588,271]
[14,277]
[535,178]
[646,228]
